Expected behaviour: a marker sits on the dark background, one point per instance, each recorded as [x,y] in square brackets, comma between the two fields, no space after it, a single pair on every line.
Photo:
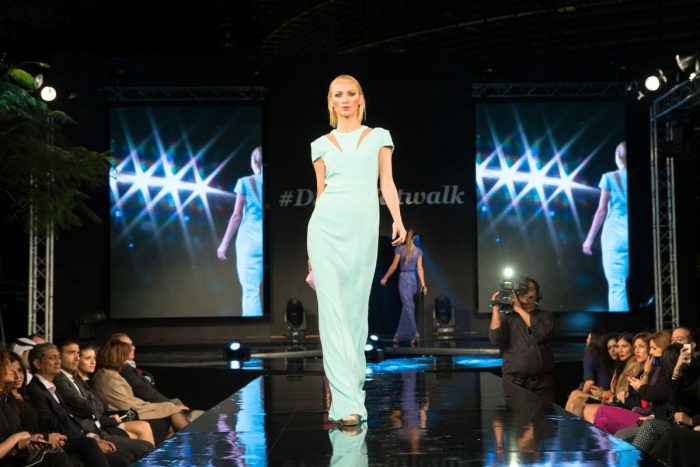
[416,62]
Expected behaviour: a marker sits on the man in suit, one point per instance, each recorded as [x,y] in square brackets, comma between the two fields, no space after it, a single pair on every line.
[142,383]
[45,363]
[88,409]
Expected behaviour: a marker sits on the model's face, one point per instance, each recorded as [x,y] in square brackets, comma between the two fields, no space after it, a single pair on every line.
[18,375]
[70,357]
[640,350]
[654,349]
[624,350]
[612,348]
[680,336]
[87,361]
[345,99]
[50,364]
[127,340]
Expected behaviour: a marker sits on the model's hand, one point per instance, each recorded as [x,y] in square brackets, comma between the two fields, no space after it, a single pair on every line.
[382,281]
[587,247]
[425,291]
[221,251]
[398,233]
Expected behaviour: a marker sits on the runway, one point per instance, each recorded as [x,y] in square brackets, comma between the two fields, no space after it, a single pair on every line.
[421,411]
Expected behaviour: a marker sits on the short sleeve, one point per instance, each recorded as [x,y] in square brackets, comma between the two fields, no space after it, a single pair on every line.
[386,140]
[605,182]
[318,149]
[399,250]
[240,187]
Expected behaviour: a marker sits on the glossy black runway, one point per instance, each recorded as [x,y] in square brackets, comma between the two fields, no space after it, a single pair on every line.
[418,415]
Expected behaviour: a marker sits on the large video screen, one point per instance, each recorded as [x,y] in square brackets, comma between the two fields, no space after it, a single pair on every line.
[186,212]
[552,201]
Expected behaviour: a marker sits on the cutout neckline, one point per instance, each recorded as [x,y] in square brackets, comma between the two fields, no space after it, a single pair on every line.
[334,141]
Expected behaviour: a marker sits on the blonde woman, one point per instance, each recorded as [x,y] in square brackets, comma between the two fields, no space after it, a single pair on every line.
[408,258]
[246,219]
[342,239]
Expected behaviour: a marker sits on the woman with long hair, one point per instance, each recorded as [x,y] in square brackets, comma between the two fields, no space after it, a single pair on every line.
[597,369]
[409,259]
[342,239]
[109,385]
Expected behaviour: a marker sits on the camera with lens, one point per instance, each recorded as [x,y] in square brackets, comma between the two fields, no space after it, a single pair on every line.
[508,289]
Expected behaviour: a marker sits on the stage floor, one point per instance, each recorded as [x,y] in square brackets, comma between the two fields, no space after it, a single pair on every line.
[418,415]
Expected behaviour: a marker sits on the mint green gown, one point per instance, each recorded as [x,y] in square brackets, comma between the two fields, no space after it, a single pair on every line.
[342,245]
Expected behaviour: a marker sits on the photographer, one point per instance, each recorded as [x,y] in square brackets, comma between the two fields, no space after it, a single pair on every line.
[522,332]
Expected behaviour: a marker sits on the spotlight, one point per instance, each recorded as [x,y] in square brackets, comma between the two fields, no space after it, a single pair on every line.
[295,317]
[236,351]
[444,318]
[688,62]
[655,80]
[374,350]
[48,93]
[508,272]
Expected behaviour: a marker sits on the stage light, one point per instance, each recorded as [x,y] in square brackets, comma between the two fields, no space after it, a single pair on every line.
[374,350]
[508,273]
[38,81]
[654,81]
[444,319]
[48,93]
[295,317]
[236,351]
[688,62]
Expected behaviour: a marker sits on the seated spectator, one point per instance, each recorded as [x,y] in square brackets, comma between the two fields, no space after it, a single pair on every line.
[684,335]
[612,418]
[18,446]
[21,347]
[54,416]
[143,382]
[626,364]
[90,411]
[597,369]
[110,386]
[611,340]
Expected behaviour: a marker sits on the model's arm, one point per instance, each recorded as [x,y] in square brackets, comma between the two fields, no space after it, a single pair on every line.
[391,196]
[233,224]
[320,170]
[598,220]
[391,269]
[421,274]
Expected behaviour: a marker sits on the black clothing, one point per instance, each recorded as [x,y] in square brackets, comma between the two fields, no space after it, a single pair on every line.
[142,388]
[527,357]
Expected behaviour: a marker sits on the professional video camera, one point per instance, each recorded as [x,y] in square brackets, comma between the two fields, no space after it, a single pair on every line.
[508,289]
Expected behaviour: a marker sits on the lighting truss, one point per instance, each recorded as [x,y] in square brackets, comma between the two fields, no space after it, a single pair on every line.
[186,94]
[517,90]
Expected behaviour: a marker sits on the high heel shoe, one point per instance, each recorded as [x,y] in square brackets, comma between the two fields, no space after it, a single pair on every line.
[395,341]
[415,342]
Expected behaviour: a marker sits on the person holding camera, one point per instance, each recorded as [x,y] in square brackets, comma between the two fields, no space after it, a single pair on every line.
[522,330]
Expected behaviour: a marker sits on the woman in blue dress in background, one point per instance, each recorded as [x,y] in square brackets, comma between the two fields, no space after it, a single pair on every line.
[614,241]
[247,220]
[342,239]
[409,259]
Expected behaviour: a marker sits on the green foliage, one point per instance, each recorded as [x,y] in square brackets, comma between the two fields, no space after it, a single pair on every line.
[39,167]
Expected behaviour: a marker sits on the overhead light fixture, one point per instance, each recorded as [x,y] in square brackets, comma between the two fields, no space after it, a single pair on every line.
[236,351]
[48,93]
[688,62]
[654,81]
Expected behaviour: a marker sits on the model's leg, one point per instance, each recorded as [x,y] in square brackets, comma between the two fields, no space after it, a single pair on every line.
[249,265]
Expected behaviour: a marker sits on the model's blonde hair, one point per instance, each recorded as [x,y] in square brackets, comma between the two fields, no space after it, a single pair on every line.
[256,159]
[621,153]
[409,244]
[361,110]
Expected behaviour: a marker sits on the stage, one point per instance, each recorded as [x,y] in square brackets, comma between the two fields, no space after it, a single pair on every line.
[422,410]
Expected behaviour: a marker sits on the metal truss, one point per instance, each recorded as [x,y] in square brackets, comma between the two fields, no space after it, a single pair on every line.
[681,96]
[41,260]
[519,90]
[181,94]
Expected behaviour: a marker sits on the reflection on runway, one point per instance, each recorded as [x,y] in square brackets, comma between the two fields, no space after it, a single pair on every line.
[424,416]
